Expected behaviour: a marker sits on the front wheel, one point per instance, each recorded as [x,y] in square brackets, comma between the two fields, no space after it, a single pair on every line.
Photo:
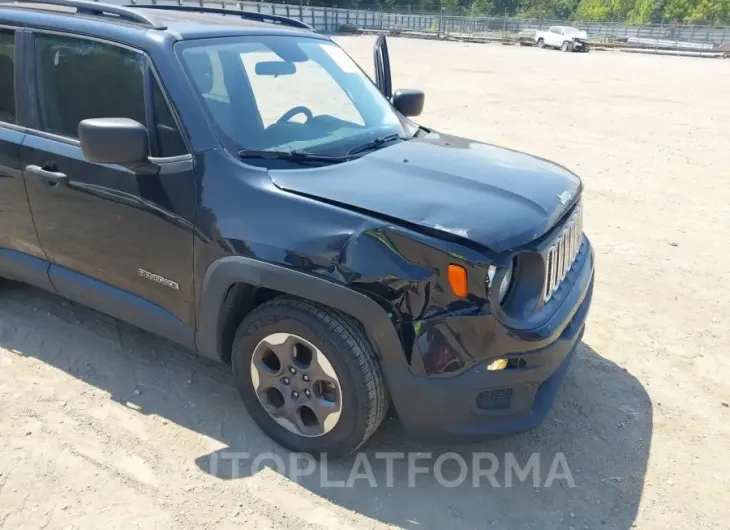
[566,47]
[540,43]
[309,377]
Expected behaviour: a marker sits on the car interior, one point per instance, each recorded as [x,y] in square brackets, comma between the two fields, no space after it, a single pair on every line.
[217,74]
[7,89]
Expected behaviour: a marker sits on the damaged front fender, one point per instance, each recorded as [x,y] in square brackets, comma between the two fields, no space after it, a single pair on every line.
[266,237]
[399,272]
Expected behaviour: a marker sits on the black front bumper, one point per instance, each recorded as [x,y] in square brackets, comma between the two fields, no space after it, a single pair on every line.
[479,403]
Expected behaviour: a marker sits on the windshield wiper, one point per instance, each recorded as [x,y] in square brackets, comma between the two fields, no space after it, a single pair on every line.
[374,144]
[294,156]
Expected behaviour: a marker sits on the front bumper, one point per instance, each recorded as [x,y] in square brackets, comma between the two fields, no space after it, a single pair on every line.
[479,403]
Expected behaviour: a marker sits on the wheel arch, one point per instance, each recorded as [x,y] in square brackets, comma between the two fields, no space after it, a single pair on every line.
[234,285]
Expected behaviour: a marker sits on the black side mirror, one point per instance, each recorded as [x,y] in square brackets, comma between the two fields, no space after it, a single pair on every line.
[409,102]
[114,141]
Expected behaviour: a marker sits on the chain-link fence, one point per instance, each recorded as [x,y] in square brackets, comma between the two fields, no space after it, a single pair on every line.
[506,29]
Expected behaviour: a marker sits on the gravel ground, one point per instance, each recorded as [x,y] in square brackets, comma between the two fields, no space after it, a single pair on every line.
[104,426]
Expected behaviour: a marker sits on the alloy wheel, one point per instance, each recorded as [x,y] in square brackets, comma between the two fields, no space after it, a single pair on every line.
[296,384]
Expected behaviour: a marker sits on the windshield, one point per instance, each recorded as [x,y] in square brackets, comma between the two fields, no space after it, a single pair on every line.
[287,93]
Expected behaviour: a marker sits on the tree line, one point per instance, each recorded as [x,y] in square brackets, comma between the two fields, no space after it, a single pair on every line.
[714,12]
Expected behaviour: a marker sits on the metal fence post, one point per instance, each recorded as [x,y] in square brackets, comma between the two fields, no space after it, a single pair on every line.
[441,23]
[615,36]
[676,37]
[504,25]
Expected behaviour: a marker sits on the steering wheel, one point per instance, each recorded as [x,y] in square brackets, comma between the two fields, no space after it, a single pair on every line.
[289,114]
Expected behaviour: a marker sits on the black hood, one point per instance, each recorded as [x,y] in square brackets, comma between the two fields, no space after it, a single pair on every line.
[493,196]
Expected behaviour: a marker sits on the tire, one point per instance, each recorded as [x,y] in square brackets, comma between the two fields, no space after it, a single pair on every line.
[566,46]
[540,43]
[363,396]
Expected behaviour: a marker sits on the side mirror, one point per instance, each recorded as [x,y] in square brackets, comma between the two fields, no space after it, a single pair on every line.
[114,141]
[409,102]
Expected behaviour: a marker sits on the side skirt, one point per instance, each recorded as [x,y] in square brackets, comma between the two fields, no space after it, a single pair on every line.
[22,267]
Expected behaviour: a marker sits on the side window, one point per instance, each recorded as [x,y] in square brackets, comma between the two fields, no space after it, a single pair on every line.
[7,76]
[169,142]
[80,79]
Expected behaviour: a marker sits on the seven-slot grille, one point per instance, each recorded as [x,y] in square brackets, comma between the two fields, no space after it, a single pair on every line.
[561,254]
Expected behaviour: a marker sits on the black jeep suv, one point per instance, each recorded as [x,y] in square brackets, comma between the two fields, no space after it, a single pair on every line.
[234,182]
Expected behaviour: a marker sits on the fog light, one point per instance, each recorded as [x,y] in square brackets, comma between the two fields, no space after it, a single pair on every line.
[499,364]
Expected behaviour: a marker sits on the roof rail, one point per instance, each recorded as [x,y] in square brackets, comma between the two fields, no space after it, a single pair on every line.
[96,9]
[248,15]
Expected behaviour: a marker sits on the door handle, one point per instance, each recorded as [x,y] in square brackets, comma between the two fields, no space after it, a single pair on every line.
[53,176]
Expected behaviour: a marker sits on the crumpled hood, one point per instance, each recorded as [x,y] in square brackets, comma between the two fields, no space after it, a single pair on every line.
[493,196]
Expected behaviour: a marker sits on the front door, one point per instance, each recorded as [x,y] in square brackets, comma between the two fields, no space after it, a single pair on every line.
[21,256]
[383,78]
[117,241]
[555,37]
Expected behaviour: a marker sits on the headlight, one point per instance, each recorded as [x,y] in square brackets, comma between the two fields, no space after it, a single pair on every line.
[506,279]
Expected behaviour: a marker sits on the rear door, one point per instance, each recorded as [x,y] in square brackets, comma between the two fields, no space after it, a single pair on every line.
[383,78]
[21,256]
[118,241]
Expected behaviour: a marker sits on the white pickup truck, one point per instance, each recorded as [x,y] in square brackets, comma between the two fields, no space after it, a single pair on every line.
[565,38]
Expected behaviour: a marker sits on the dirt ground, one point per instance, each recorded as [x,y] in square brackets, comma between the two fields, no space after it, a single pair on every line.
[104,426]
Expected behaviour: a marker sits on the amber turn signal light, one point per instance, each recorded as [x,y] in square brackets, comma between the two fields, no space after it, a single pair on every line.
[457,280]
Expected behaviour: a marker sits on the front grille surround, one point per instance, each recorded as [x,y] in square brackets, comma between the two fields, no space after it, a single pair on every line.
[561,254]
